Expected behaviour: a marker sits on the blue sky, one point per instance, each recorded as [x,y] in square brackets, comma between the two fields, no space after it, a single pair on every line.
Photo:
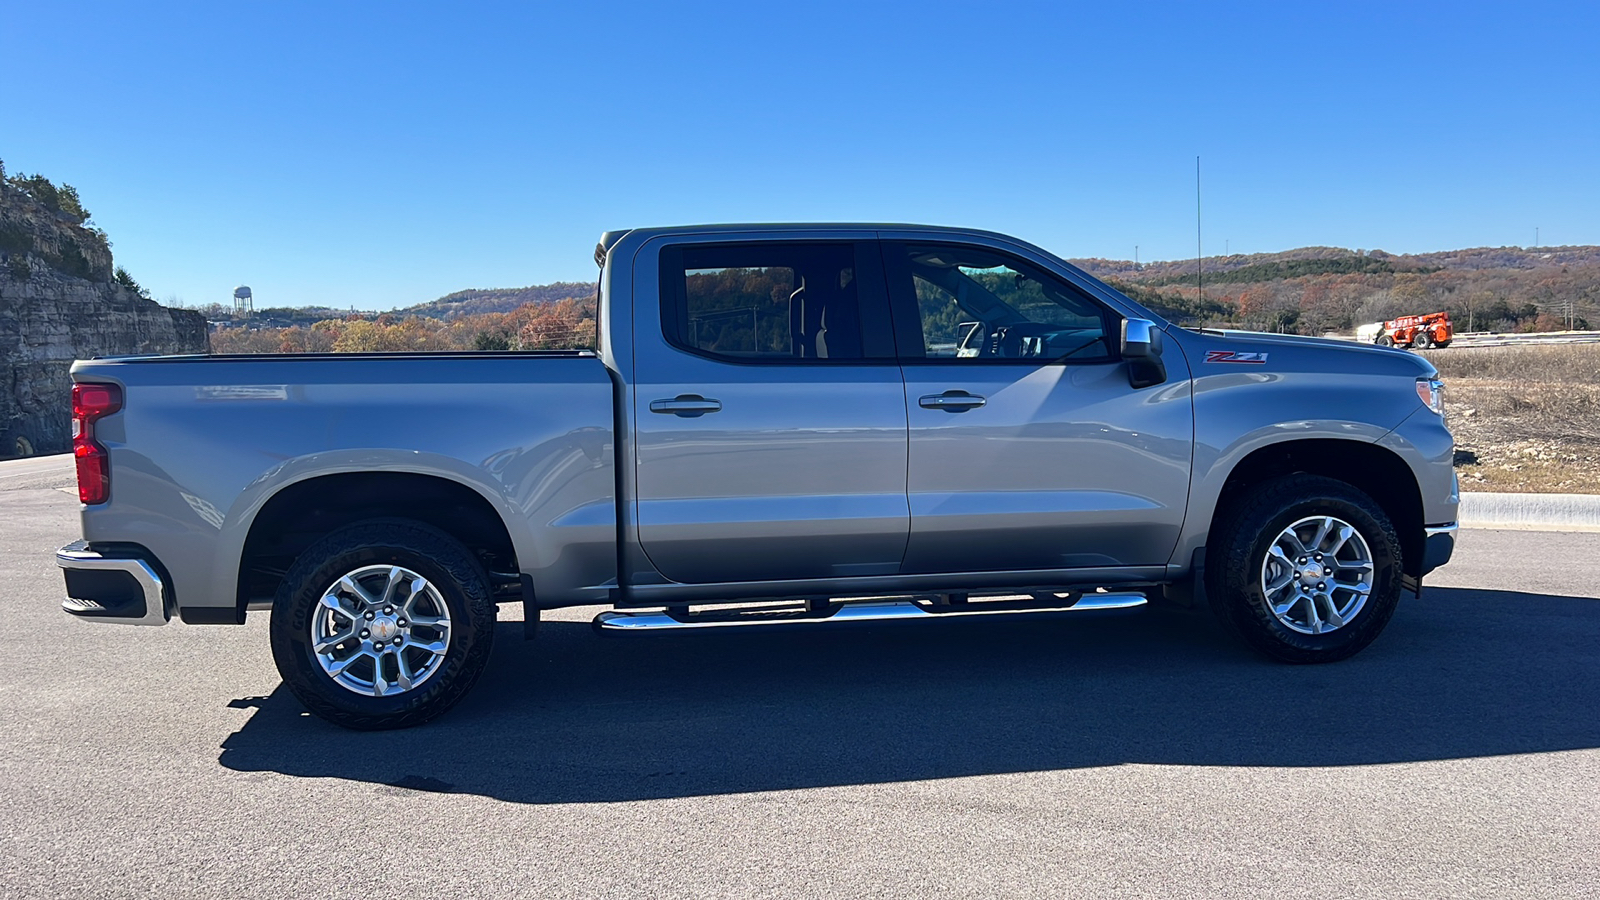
[375,155]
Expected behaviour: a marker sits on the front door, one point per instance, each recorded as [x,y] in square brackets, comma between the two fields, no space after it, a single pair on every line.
[1028,447]
[770,421]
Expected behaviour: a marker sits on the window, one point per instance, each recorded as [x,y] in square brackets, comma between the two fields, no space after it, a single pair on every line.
[980,305]
[762,302]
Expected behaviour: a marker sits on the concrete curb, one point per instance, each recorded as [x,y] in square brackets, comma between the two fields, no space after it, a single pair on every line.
[1530,512]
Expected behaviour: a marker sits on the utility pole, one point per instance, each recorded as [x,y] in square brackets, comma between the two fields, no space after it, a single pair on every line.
[1535,237]
[1136,256]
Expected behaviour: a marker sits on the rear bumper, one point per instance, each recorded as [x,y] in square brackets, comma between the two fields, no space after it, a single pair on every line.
[121,586]
[1439,544]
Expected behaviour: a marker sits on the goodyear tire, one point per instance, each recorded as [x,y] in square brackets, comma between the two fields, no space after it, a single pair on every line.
[382,624]
[1304,569]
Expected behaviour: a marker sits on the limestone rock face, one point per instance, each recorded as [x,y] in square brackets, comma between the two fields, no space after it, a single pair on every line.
[50,317]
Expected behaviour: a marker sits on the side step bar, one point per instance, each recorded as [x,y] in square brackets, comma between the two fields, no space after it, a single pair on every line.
[877,610]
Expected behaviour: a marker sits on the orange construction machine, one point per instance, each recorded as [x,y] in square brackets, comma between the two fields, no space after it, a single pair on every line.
[1420,332]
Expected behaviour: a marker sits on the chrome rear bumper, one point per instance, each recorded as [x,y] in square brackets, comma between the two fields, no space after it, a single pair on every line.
[119,587]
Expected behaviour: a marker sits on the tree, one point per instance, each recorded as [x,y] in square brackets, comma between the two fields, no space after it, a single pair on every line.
[126,280]
[489,341]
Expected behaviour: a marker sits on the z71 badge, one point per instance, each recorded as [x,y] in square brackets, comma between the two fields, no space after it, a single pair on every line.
[1234,356]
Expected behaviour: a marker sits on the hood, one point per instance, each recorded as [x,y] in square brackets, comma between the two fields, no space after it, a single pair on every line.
[1294,344]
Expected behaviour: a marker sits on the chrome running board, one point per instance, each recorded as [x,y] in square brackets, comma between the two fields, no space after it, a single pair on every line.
[877,610]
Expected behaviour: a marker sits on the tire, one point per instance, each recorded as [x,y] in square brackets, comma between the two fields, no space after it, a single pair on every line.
[1238,569]
[1423,341]
[442,651]
[1385,341]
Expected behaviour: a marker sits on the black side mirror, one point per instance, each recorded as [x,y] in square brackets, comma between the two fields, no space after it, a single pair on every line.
[1141,349]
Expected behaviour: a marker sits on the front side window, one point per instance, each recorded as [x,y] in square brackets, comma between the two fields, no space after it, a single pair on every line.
[975,304]
[762,302]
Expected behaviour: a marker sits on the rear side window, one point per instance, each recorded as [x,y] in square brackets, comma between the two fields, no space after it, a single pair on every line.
[763,302]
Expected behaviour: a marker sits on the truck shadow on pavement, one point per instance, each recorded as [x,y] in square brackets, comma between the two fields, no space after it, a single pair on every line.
[575,717]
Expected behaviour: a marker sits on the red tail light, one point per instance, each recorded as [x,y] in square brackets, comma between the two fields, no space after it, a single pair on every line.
[91,402]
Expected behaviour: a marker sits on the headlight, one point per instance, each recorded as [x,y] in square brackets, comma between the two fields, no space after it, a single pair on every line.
[1431,392]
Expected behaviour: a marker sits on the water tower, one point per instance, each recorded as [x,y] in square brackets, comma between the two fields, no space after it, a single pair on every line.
[243,303]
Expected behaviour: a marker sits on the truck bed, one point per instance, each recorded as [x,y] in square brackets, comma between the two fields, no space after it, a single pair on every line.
[202,443]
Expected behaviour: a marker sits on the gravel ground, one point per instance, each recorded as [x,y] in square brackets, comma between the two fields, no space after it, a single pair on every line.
[1142,755]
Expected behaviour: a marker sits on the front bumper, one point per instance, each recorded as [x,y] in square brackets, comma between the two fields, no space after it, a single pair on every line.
[122,586]
[1438,544]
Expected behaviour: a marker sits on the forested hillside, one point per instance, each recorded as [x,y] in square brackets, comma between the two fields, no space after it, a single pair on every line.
[1313,290]
[497,300]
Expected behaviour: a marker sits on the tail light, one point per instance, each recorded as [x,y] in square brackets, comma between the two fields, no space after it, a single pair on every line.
[91,402]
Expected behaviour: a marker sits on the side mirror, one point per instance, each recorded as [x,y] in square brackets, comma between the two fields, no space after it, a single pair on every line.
[1141,349]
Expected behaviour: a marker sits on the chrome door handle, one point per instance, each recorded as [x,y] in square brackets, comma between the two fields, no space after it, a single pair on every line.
[686,405]
[952,401]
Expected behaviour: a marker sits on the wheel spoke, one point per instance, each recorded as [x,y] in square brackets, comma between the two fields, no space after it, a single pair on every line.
[323,645]
[396,575]
[418,586]
[379,685]
[1313,618]
[1293,540]
[435,647]
[1322,532]
[1332,617]
[1285,576]
[351,585]
[337,667]
[404,673]
[1344,538]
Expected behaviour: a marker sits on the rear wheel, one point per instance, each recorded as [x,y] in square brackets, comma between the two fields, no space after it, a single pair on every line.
[1304,569]
[383,624]
[1423,341]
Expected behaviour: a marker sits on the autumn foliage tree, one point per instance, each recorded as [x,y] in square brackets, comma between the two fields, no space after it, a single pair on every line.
[564,324]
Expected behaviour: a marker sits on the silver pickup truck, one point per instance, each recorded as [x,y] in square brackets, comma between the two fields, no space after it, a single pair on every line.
[783,425]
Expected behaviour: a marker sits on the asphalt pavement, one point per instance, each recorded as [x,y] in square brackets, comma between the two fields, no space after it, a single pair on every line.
[1143,755]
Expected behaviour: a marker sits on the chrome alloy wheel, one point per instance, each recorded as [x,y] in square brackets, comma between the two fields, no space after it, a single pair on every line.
[1317,575]
[381,630]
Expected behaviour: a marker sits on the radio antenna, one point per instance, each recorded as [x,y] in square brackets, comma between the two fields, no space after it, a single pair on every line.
[1199,259]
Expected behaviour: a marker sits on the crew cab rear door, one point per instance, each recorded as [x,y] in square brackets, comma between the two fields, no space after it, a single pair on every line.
[1029,450]
[770,411]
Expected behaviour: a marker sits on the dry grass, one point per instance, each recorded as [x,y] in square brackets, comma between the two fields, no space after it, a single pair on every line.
[1526,419]
[1548,363]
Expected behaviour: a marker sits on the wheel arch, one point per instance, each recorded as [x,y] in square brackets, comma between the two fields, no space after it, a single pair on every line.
[300,513]
[1376,471]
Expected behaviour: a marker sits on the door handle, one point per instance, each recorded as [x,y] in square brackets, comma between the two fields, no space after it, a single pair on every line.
[688,406]
[952,401]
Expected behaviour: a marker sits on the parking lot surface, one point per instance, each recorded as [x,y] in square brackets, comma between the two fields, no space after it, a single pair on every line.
[1143,755]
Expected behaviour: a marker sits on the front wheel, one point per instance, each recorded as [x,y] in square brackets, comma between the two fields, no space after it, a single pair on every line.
[1385,341]
[1304,569]
[383,624]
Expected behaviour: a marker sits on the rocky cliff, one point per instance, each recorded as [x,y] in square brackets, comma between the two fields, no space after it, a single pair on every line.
[59,302]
